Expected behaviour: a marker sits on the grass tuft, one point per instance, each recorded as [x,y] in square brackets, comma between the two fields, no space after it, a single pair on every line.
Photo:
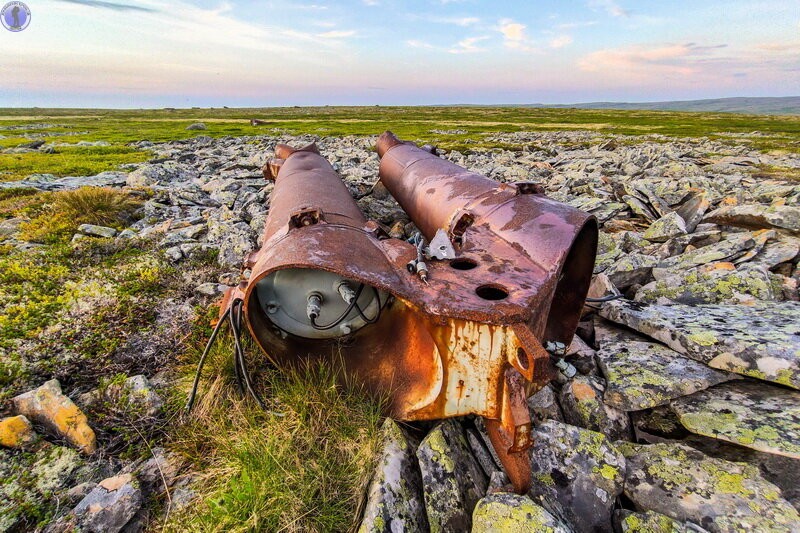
[301,466]
[60,217]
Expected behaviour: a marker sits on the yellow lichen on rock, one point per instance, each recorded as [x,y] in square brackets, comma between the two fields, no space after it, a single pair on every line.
[48,406]
[16,431]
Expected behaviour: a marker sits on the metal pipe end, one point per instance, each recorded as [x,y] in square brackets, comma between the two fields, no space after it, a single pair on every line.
[283,151]
[272,168]
[386,141]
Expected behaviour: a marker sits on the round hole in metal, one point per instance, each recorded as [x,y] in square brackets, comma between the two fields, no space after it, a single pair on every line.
[463,264]
[492,292]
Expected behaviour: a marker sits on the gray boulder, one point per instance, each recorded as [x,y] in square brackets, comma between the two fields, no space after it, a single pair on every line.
[452,479]
[395,501]
[759,341]
[579,468]
[719,496]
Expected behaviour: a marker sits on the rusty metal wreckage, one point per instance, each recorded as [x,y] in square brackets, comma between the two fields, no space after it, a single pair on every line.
[475,330]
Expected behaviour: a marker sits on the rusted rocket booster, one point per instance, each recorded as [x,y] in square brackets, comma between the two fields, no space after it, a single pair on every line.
[463,337]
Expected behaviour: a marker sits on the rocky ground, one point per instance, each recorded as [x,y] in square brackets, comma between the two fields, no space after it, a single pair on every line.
[684,414]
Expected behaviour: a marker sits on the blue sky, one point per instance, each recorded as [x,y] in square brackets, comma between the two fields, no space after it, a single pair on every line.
[154,53]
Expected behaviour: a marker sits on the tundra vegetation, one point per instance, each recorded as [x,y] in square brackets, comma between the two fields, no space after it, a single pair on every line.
[83,311]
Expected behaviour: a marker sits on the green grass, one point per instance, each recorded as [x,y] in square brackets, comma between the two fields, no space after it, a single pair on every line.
[303,465]
[122,127]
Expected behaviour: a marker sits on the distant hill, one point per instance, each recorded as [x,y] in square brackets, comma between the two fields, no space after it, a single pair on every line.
[785,105]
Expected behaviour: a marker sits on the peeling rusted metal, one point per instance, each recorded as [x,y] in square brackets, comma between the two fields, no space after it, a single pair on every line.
[467,342]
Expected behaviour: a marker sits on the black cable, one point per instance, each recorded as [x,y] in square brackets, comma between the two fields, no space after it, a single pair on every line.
[377,315]
[211,339]
[339,320]
[607,298]
[236,325]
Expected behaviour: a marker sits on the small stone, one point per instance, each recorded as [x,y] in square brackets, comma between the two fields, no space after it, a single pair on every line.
[579,468]
[631,269]
[174,253]
[750,414]
[665,228]
[50,408]
[16,432]
[732,247]
[642,375]
[582,402]
[544,406]
[197,126]
[692,210]
[109,506]
[759,341]
[210,289]
[97,231]
[453,482]
[513,513]
[394,500]
[688,486]
[127,234]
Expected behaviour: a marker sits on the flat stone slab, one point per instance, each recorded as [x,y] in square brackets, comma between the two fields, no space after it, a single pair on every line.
[760,341]
[394,500]
[578,468]
[751,414]
[717,495]
[641,375]
[452,479]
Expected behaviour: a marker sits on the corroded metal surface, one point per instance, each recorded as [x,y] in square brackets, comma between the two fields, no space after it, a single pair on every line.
[469,341]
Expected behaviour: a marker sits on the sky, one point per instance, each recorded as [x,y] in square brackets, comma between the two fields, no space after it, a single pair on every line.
[207,53]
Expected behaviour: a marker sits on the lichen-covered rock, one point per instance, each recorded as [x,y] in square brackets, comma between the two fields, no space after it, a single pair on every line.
[544,406]
[649,522]
[579,468]
[16,432]
[513,513]
[395,501]
[708,285]
[669,226]
[751,414]
[97,231]
[453,482]
[778,251]
[631,269]
[641,375]
[135,394]
[582,404]
[693,209]
[728,249]
[56,412]
[759,341]
[109,506]
[720,496]
[785,217]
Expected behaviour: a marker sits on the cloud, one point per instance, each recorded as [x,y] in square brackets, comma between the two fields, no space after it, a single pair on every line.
[109,5]
[371,2]
[515,35]
[512,31]
[560,41]
[609,6]
[468,45]
[574,25]
[679,59]
[779,47]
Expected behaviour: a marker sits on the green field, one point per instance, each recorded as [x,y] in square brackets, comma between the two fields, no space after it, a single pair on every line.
[449,127]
